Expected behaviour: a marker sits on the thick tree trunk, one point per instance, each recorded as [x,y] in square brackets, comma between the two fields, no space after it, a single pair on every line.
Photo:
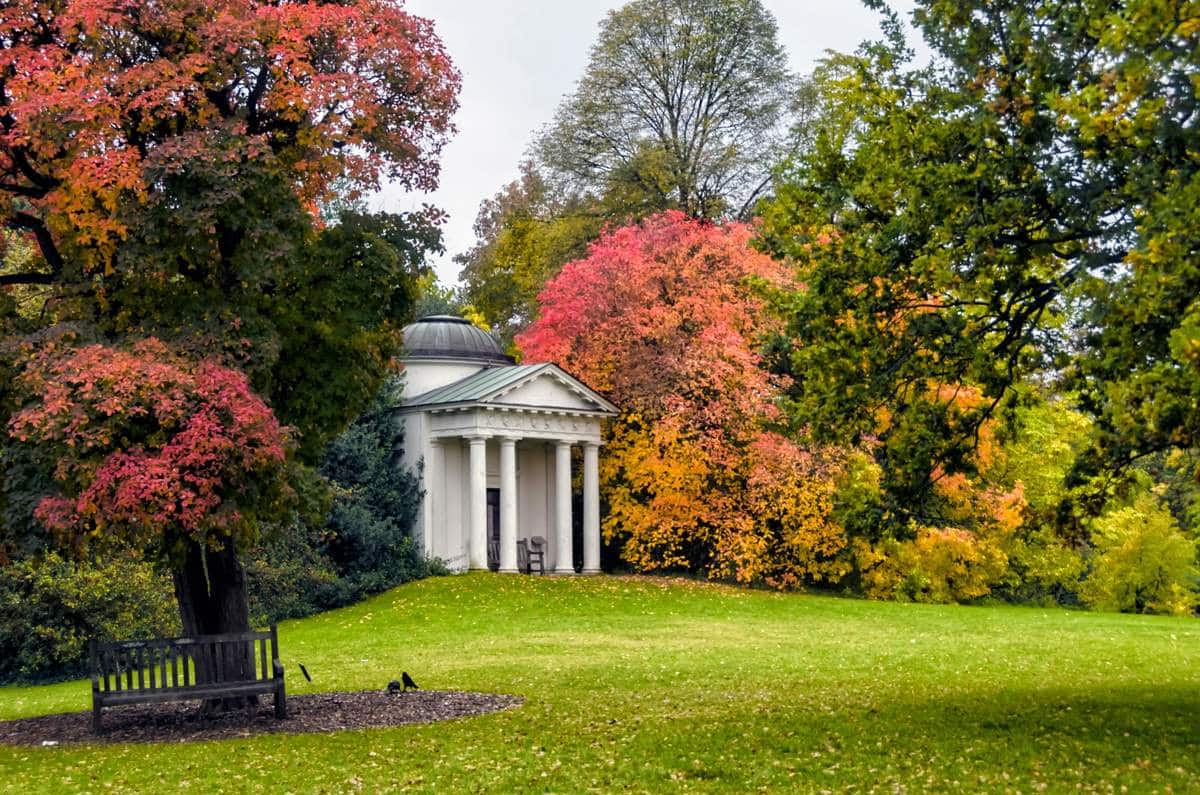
[210,588]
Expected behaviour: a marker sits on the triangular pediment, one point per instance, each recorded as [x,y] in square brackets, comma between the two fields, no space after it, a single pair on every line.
[529,386]
[549,390]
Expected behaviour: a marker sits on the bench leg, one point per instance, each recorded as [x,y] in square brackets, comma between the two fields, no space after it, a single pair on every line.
[97,727]
[280,702]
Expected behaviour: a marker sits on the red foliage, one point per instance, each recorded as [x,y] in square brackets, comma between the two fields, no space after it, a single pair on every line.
[146,446]
[663,317]
[92,89]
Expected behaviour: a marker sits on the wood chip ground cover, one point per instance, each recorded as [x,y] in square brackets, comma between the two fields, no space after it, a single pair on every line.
[317,712]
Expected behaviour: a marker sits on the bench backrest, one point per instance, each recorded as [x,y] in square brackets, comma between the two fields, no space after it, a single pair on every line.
[170,663]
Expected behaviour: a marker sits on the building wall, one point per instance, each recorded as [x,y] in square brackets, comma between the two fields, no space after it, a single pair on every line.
[424,376]
[444,529]
[451,540]
[445,533]
[534,510]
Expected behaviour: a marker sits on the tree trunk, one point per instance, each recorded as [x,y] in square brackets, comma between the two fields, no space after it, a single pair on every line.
[210,588]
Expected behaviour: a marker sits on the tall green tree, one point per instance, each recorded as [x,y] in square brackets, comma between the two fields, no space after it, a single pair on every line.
[1023,206]
[689,100]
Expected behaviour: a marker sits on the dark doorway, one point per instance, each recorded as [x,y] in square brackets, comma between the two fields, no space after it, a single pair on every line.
[493,529]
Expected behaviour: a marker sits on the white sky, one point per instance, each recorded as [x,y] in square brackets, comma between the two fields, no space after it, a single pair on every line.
[519,58]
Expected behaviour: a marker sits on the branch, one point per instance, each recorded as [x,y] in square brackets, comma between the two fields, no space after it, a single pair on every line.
[27,278]
[45,241]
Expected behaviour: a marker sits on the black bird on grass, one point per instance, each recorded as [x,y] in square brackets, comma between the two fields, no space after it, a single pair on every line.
[304,671]
[394,687]
[408,681]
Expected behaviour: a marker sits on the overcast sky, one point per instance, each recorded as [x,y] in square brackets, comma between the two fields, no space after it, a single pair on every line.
[519,58]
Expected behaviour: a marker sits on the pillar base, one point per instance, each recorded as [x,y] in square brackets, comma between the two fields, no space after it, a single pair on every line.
[508,571]
[592,571]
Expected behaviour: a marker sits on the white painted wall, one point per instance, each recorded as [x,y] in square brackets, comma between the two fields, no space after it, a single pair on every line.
[532,519]
[421,376]
[451,543]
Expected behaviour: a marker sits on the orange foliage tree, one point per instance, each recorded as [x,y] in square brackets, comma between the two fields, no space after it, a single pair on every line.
[665,319]
[964,553]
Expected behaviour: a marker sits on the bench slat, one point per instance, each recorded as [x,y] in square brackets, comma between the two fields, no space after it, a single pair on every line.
[185,640]
[188,694]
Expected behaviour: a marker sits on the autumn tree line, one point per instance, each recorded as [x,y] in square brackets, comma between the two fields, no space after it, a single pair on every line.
[917,328]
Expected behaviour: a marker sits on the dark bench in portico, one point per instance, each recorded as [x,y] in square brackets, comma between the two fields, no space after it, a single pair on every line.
[182,669]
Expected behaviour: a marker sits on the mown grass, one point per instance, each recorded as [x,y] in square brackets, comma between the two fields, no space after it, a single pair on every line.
[652,685]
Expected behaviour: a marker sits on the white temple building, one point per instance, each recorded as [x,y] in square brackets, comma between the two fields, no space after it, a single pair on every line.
[496,440]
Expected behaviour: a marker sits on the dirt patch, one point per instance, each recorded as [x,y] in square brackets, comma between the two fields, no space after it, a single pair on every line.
[317,712]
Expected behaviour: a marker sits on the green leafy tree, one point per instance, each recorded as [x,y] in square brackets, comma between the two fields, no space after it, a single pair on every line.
[1023,206]
[167,165]
[1142,562]
[525,234]
[688,100]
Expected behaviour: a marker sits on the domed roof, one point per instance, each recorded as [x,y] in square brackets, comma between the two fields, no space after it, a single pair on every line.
[448,337]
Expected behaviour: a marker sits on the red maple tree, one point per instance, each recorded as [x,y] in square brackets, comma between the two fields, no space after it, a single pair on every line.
[92,92]
[664,318]
[152,451]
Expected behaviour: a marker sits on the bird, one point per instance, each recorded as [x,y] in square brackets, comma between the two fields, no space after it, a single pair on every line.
[408,681]
[393,687]
[304,671]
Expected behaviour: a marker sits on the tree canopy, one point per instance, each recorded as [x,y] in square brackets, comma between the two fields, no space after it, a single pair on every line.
[663,318]
[97,98]
[1021,208]
[689,100]
[166,165]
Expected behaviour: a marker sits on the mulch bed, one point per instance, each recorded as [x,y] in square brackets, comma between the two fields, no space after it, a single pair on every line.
[317,712]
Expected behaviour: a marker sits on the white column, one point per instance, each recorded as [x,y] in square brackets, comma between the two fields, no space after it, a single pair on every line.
[508,505]
[478,508]
[591,508]
[562,509]
[435,490]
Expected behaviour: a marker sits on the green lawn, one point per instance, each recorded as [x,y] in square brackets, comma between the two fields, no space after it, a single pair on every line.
[650,685]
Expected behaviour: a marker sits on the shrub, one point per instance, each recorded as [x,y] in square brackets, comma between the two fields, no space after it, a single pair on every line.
[939,565]
[50,608]
[375,501]
[1043,569]
[355,537]
[1142,562]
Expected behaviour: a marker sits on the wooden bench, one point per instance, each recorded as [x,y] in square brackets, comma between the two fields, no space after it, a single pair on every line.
[181,669]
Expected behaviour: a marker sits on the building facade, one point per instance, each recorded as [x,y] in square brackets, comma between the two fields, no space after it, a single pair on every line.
[496,442]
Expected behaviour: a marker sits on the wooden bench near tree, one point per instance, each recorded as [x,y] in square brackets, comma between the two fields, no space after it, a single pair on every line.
[217,669]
